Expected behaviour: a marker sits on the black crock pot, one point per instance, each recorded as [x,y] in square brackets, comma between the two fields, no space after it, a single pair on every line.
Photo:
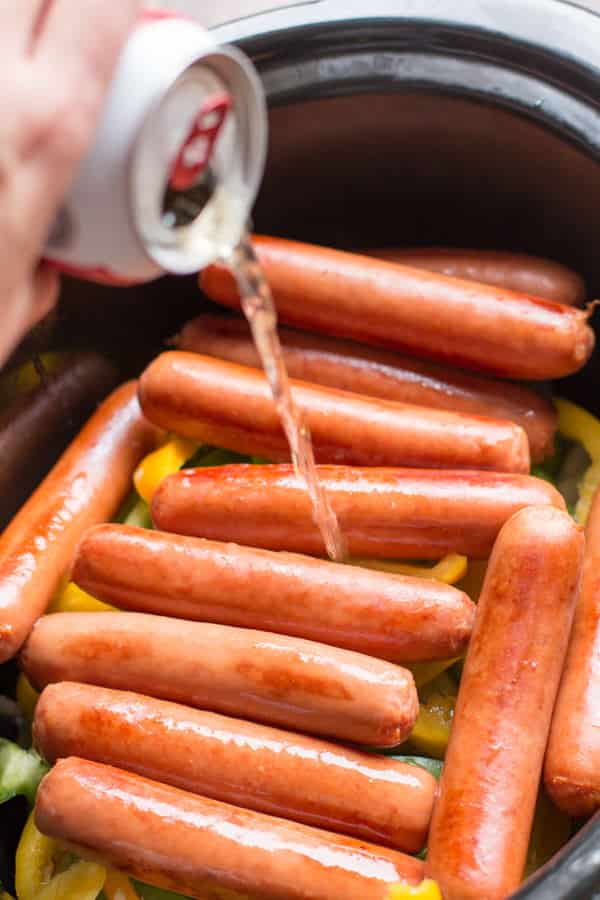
[465,122]
[461,122]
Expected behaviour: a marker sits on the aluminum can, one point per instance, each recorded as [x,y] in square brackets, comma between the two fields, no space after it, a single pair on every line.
[177,160]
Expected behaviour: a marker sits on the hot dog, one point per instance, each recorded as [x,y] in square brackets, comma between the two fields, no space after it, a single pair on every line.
[85,487]
[572,770]
[371,797]
[231,406]
[515,271]
[389,616]
[204,848]
[380,373]
[484,811]
[37,425]
[383,513]
[254,674]
[475,326]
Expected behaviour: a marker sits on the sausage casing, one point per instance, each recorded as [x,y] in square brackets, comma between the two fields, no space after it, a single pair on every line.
[473,326]
[383,513]
[204,848]
[572,770]
[374,372]
[516,271]
[483,815]
[85,487]
[371,797]
[392,617]
[231,406]
[266,677]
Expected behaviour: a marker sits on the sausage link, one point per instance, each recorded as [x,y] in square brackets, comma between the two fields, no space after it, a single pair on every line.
[254,674]
[475,326]
[85,487]
[572,771]
[483,815]
[381,373]
[204,848]
[37,426]
[383,513]
[231,406]
[521,272]
[392,617]
[371,797]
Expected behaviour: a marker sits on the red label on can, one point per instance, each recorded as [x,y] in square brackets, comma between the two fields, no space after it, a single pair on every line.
[198,147]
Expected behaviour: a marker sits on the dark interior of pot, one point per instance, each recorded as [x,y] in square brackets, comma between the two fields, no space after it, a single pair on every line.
[392,168]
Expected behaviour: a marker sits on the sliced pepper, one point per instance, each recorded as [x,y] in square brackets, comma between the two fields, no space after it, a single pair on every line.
[37,870]
[160,463]
[119,887]
[431,732]
[424,673]
[71,598]
[450,569]
[472,582]
[20,771]
[577,424]
[27,696]
[427,890]
[587,488]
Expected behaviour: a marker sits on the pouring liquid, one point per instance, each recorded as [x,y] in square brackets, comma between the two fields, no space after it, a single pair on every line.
[259,309]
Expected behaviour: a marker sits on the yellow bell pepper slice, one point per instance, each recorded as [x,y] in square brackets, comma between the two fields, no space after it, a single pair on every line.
[427,890]
[424,673]
[119,887]
[5,896]
[431,731]
[587,488]
[162,462]
[577,424]
[450,569]
[71,598]
[34,865]
[81,881]
[36,876]
[27,696]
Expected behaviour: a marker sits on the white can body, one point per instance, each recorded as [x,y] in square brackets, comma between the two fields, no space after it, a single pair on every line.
[113,226]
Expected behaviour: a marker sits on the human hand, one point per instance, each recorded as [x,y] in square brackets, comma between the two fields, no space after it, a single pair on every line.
[57,57]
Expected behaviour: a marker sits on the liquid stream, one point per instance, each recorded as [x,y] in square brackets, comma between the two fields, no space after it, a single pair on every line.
[259,309]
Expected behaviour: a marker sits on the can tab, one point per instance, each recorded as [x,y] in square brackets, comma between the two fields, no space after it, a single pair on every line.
[197,148]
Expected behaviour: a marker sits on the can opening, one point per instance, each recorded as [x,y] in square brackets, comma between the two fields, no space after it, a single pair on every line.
[181,208]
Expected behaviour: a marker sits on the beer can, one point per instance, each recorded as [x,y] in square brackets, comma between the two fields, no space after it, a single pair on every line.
[176,162]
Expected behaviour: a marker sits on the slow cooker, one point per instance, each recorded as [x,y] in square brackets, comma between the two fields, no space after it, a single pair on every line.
[412,122]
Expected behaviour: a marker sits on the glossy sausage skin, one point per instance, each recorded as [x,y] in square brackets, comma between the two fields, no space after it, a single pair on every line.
[231,406]
[370,797]
[254,674]
[203,848]
[483,815]
[572,770]
[37,426]
[515,271]
[85,487]
[392,617]
[381,373]
[475,326]
[383,513]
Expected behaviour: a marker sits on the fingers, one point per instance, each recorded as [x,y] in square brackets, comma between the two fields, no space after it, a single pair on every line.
[19,23]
